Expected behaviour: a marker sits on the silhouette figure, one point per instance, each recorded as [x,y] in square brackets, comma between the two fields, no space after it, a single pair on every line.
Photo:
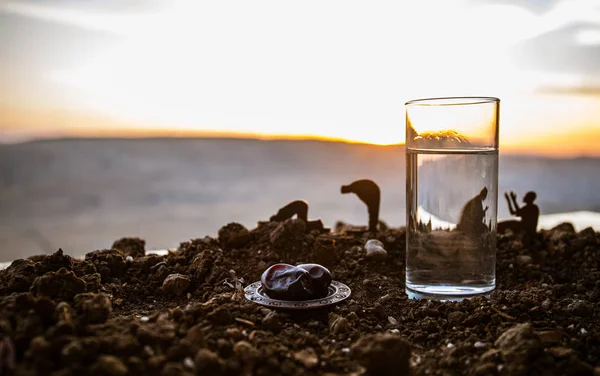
[298,208]
[529,214]
[472,217]
[369,193]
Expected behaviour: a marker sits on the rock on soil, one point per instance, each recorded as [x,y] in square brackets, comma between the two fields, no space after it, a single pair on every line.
[374,249]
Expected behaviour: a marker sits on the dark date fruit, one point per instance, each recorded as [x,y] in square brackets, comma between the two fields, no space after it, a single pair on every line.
[287,282]
[302,282]
[321,278]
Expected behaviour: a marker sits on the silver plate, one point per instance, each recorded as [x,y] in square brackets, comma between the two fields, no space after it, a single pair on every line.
[337,292]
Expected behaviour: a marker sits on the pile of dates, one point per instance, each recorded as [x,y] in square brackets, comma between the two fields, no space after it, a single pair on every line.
[302,282]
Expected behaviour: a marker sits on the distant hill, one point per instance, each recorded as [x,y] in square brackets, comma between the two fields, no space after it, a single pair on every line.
[83,194]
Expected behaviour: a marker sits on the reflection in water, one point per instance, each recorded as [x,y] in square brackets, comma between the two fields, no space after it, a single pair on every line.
[472,217]
[452,201]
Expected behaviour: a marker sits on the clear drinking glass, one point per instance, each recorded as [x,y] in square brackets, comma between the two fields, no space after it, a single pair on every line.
[451,196]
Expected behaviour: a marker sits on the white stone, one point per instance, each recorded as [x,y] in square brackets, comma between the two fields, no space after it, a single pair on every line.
[189,363]
[374,249]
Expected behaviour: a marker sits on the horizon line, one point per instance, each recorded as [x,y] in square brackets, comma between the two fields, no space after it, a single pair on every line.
[179,135]
[251,137]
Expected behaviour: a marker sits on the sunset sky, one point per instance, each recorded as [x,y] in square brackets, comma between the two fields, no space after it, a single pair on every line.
[339,69]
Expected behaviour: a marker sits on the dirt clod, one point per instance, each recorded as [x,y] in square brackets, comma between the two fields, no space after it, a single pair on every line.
[383,354]
[175,284]
[134,247]
[288,235]
[234,235]
[208,362]
[94,308]
[195,336]
[110,263]
[108,365]
[61,285]
[20,275]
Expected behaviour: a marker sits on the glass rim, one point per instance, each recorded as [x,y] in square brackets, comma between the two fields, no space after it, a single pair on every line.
[451,101]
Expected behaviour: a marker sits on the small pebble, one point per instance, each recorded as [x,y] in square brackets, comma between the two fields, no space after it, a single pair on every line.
[352,316]
[346,350]
[374,249]
[450,345]
[546,304]
[583,331]
[479,345]
[524,260]
[129,259]
[189,363]
[392,320]
[394,331]
[339,325]
[265,311]
[307,357]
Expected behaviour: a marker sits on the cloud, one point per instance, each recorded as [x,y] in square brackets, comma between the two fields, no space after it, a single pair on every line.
[537,6]
[586,90]
[109,20]
[559,51]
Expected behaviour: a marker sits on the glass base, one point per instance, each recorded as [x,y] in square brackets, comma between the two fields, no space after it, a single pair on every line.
[448,292]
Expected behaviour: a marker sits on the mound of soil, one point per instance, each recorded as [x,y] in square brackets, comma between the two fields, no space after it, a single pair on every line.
[120,312]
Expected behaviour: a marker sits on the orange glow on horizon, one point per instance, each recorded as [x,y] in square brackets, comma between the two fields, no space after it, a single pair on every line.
[574,141]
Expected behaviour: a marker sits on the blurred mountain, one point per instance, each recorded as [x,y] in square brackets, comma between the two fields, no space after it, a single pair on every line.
[83,194]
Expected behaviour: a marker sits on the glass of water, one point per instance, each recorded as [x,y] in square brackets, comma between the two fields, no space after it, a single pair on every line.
[451,196]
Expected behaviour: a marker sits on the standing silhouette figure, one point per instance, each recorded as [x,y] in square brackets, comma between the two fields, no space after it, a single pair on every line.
[472,217]
[369,193]
[529,214]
